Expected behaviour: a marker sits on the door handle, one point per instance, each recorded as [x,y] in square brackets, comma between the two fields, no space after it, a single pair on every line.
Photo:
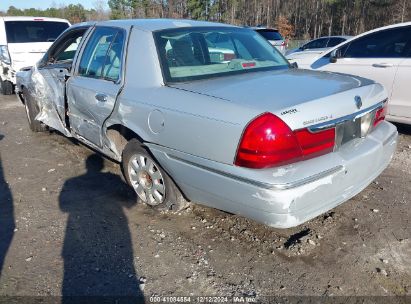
[382,65]
[101,97]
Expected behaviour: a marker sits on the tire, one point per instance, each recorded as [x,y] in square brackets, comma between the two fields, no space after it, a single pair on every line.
[151,183]
[32,111]
[6,87]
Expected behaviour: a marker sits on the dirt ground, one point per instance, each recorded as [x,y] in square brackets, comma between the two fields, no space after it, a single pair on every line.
[70,226]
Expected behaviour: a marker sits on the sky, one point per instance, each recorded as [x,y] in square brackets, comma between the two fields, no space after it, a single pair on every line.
[42,4]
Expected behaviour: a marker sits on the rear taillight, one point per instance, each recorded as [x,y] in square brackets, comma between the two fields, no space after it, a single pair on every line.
[380,114]
[229,57]
[315,144]
[268,141]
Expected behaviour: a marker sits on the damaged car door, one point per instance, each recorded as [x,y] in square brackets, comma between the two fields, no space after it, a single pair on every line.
[52,73]
[93,88]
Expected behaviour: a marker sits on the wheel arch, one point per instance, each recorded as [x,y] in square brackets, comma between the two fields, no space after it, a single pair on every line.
[118,136]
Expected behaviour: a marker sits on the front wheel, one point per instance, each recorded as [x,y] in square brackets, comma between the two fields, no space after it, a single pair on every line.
[151,183]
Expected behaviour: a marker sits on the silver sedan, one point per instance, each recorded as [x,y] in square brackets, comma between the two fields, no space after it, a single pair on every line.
[213,114]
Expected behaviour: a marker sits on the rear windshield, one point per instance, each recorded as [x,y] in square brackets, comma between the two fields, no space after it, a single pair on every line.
[270,34]
[201,53]
[33,31]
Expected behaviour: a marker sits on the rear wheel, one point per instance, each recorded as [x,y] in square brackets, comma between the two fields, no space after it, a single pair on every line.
[32,111]
[6,87]
[151,183]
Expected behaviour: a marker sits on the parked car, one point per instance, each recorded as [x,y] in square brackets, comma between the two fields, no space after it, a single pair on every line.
[317,46]
[212,132]
[23,41]
[384,55]
[273,36]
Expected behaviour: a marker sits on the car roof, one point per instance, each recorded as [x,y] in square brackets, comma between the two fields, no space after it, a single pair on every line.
[152,25]
[256,28]
[335,36]
[25,18]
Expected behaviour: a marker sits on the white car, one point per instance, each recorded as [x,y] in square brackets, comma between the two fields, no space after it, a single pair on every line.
[23,42]
[273,36]
[317,46]
[384,55]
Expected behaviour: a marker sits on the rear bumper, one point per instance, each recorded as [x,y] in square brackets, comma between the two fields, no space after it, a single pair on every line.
[298,199]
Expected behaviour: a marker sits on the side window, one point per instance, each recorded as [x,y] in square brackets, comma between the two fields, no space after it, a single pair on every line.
[383,44]
[68,52]
[102,54]
[316,44]
[408,49]
[334,41]
[112,63]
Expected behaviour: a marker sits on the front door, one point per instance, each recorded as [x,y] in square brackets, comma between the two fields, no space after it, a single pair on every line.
[92,90]
[50,78]
[400,102]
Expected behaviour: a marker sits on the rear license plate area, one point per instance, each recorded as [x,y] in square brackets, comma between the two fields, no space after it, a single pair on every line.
[352,129]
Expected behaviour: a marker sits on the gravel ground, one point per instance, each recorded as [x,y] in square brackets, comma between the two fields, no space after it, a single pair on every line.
[70,226]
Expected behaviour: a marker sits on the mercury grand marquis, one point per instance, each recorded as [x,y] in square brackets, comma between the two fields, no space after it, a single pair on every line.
[212,113]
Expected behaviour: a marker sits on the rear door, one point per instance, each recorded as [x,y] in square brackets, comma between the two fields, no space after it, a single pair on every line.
[375,56]
[93,88]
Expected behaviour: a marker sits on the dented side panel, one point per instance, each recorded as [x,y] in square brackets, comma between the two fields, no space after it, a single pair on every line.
[47,89]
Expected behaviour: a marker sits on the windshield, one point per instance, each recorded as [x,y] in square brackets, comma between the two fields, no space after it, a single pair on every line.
[270,34]
[34,31]
[202,53]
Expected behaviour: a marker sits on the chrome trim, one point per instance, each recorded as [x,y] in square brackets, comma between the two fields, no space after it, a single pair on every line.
[329,124]
[267,186]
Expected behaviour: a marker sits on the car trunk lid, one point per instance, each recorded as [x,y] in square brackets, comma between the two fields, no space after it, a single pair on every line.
[301,98]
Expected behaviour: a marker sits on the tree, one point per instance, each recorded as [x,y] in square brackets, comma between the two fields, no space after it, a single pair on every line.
[120,8]
[285,27]
[299,18]
[75,13]
[13,11]
[198,9]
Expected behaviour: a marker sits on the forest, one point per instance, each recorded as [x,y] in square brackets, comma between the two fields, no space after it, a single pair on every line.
[296,19]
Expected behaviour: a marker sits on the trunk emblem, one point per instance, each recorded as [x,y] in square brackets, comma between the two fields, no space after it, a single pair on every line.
[358,101]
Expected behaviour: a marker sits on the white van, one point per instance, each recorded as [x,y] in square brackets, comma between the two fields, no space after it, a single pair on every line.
[23,41]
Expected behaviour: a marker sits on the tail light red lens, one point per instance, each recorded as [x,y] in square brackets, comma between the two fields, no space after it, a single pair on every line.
[380,115]
[268,141]
[229,57]
[315,144]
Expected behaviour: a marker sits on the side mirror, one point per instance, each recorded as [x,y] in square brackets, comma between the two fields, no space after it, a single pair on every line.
[294,65]
[334,56]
